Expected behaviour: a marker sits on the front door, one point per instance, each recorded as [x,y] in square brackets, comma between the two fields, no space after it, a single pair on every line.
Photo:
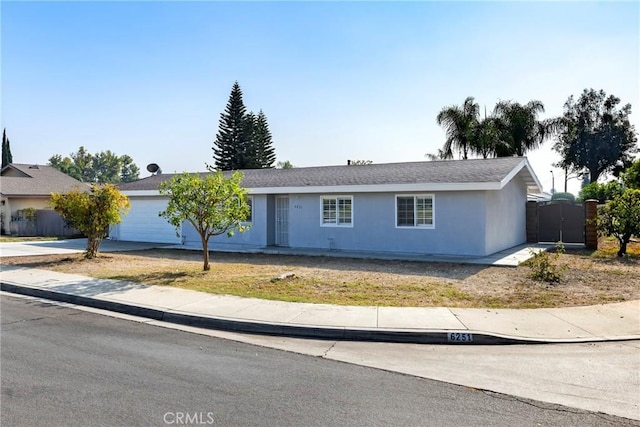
[282,221]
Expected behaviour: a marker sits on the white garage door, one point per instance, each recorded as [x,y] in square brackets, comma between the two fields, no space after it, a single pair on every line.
[142,223]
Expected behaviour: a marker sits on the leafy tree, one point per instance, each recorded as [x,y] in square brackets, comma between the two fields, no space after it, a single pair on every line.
[91,212]
[106,167]
[600,192]
[620,218]
[284,165]
[631,175]
[7,157]
[65,165]
[103,167]
[129,171]
[233,135]
[213,204]
[459,124]
[594,133]
[83,160]
[519,128]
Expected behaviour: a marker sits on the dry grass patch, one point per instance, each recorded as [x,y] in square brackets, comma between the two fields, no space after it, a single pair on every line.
[592,278]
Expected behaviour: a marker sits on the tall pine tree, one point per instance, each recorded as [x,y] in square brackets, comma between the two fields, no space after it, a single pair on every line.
[231,142]
[265,153]
[6,149]
[244,139]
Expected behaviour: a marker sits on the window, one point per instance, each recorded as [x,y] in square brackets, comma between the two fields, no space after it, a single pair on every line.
[249,217]
[337,211]
[414,211]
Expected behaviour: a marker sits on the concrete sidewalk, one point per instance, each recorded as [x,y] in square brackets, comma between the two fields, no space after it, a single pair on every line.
[620,321]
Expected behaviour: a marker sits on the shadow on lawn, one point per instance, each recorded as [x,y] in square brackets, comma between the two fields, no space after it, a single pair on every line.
[417,268]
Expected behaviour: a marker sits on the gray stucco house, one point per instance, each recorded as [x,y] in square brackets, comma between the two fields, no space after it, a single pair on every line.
[458,207]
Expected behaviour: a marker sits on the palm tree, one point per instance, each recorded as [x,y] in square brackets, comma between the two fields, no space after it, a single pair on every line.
[485,137]
[519,128]
[458,123]
[440,155]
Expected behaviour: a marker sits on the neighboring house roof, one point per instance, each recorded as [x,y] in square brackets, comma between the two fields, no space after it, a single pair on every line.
[446,175]
[23,180]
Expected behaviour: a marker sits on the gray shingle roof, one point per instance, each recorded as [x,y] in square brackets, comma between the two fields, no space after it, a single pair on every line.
[434,172]
[34,180]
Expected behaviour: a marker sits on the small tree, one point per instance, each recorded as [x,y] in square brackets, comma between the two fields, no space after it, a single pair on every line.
[620,218]
[213,204]
[91,212]
[7,158]
[284,165]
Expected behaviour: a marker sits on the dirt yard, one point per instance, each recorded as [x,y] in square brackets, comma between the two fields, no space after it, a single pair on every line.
[591,278]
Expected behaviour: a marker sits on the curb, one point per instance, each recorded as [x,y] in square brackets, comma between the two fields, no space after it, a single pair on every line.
[450,337]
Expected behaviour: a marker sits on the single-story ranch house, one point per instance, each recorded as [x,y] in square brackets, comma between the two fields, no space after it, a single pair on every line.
[457,207]
[29,186]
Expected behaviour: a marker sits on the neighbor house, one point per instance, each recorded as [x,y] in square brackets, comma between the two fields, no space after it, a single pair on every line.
[458,207]
[26,186]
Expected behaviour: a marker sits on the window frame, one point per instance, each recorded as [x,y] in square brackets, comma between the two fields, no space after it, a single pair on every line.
[415,211]
[336,199]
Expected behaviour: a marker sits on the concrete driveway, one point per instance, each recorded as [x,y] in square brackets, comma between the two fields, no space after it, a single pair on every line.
[71,246]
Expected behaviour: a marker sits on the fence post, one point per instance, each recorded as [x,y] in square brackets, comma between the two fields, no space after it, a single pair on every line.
[532,221]
[591,228]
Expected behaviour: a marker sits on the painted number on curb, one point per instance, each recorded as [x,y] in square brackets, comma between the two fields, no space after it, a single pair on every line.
[460,337]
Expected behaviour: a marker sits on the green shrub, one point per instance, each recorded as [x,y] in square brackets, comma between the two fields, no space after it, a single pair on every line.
[545,267]
[564,197]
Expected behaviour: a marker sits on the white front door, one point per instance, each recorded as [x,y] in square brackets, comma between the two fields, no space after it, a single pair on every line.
[282,221]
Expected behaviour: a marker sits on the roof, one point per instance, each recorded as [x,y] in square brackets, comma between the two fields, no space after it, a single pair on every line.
[24,180]
[445,175]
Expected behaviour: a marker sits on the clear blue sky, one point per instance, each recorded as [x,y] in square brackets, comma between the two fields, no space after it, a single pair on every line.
[337,80]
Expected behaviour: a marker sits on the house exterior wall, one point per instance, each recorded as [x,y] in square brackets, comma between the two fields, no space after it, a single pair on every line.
[506,216]
[471,223]
[254,237]
[458,225]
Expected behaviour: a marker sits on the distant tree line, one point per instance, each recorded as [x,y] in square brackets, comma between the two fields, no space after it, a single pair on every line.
[102,167]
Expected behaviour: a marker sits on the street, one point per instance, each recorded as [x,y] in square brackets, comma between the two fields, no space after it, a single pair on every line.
[66,367]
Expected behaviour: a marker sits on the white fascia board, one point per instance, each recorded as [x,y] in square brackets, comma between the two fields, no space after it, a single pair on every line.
[379,188]
[333,189]
[522,165]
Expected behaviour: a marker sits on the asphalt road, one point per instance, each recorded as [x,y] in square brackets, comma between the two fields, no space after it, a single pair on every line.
[65,367]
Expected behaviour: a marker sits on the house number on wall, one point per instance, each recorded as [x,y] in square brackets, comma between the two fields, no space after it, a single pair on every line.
[459,337]
[297,206]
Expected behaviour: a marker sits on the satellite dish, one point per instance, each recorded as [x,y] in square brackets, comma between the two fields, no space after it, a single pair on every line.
[153,167]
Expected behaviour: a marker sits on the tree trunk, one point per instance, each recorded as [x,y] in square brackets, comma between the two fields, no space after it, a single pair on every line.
[205,252]
[93,245]
[623,245]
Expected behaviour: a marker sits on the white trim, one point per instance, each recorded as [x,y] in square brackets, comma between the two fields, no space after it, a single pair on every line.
[379,188]
[135,193]
[416,227]
[523,164]
[336,224]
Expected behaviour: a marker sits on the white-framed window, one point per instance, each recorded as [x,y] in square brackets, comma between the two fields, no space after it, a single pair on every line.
[336,211]
[415,210]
